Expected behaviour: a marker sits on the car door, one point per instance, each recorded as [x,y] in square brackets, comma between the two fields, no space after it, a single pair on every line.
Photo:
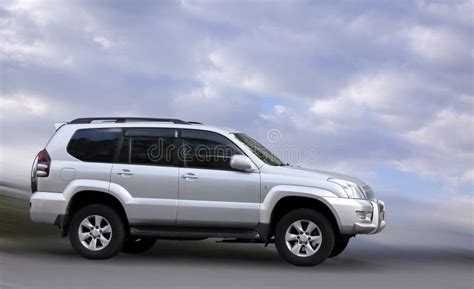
[147,169]
[211,193]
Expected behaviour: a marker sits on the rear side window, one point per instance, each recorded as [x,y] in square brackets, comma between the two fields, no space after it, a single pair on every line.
[94,145]
[207,150]
[148,146]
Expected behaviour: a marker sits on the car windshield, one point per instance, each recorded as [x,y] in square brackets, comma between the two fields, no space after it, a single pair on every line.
[259,150]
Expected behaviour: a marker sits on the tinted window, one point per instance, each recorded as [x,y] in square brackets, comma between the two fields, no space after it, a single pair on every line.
[94,145]
[259,150]
[148,147]
[203,149]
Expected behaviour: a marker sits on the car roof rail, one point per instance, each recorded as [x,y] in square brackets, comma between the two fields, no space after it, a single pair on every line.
[126,119]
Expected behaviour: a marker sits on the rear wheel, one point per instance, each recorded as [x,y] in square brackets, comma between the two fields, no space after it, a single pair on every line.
[304,237]
[96,232]
[136,246]
[339,246]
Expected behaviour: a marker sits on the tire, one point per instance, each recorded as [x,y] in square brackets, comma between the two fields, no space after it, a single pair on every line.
[136,246]
[340,245]
[111,228]
[308,251]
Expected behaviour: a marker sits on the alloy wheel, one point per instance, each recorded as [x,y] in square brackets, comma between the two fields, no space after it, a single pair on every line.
[303,238]
[95,232]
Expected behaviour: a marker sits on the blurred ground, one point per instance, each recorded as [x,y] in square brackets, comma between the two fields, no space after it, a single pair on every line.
[34,256]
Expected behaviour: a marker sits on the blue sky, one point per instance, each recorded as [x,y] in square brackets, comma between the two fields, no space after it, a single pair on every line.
[382,89]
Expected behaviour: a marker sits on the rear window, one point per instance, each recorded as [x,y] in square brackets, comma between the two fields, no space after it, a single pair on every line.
[94,145]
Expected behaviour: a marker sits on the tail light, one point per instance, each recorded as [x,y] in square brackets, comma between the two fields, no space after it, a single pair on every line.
[43,163]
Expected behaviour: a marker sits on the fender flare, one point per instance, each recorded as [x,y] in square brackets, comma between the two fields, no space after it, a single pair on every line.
[279,192]
[81,185]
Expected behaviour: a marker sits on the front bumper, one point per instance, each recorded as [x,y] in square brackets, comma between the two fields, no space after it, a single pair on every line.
[377,223]
[345,210]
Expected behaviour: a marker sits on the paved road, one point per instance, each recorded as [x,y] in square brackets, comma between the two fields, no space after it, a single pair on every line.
[49,263]
[35,257]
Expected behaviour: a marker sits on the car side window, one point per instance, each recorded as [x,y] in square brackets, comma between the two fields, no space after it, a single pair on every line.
[94,145]
[148,146]
[207,150]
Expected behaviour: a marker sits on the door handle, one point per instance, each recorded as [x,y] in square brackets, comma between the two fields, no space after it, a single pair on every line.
[125,173]
[189,176]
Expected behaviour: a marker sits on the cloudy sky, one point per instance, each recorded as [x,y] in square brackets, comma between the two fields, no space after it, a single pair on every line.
[382,90]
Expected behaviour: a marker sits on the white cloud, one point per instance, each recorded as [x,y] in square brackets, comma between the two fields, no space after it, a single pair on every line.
[103,41]
[449,132]
[468,177]
[225,69]
[36,11]
[22,39]
[332,107]
[20,105]
[26,52]
[438,44]
[444,147]
[381,97]
[460,11]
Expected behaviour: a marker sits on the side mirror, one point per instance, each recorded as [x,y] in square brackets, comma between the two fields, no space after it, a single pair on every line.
[241,163]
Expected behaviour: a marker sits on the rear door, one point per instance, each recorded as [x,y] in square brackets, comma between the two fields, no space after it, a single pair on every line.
[146,167]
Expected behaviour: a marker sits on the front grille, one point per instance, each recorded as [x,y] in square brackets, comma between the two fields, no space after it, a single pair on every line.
[368,192]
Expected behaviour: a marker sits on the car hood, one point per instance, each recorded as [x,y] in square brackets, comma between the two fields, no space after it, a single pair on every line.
[298,171]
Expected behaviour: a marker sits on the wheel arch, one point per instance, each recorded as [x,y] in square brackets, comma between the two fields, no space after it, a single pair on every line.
[278,203]
[83,198]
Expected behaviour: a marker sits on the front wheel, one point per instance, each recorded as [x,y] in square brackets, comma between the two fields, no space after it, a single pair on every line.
[304,237]
[96,232]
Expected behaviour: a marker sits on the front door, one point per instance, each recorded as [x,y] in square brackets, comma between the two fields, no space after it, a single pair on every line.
[211,193]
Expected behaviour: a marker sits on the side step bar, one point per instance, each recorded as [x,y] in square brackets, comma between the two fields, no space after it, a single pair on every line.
[191,232]
[253,241]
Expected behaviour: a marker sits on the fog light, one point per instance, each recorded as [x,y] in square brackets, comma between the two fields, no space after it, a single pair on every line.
[361,215]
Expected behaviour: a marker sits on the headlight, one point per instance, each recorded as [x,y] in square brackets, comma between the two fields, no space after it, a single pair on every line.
[352,190]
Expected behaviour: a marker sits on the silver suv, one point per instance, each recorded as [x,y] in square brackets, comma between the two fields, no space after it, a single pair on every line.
[118,184]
